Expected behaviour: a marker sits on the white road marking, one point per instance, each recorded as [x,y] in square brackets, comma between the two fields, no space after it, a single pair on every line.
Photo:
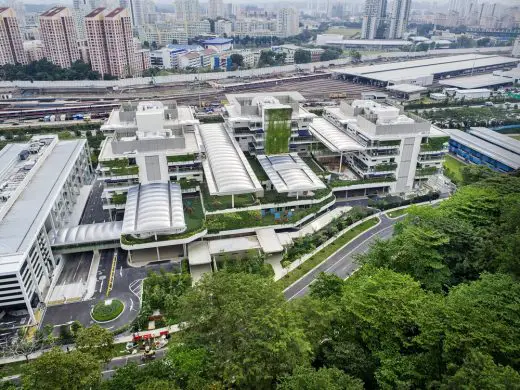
[341,259]
[101,286]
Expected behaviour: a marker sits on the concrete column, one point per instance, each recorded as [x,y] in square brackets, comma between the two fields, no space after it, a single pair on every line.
[340,162]
[184,251]
[158,253]
[233,201]
[129,256]
[45,270]
[26,298]
[33,275]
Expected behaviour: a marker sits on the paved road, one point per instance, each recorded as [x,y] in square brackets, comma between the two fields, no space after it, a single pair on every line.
[342,263]
[93,212]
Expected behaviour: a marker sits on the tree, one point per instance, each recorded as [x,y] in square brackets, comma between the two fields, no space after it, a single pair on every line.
[329,55]
[175,42]
[237,60]
[58,370]
[474,173]
[96,341]
[241,318]
[146,44]
[327,286]
[355,55]
[479,371]
[306,378]
[302,56]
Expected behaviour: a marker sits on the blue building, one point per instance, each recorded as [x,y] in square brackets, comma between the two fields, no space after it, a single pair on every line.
[478,151]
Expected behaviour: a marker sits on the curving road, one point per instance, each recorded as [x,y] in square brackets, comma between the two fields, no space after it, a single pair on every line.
[342,263]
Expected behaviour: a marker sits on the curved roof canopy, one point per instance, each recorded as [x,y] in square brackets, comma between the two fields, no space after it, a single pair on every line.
[154,208]
[289,173]
[226,168]
[84,234]
[332,137]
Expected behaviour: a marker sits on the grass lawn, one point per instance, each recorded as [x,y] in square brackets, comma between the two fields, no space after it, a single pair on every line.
[397,213]
[12,368]
[103,312]
[515,136]
[322,255]
[452,167]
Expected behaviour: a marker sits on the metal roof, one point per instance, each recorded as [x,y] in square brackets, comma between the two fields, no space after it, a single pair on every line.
[496,138]
[495,152]
[370,42]
[27,215]
[217,41]
[289,173]
[359,70]
[154,208]
[332,137]
[410,73]
[226,169]
[479,81]
[84,234]
[406,88]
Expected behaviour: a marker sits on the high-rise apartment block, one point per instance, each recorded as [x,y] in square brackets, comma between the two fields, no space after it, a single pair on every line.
[111,44]
[216,8]
[288,22]
[373,18]
[187,10]
[399,18]
[11,44]
[135,7]
[59,37]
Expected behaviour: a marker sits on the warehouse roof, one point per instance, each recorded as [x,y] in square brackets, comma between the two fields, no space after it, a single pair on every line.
[496,138]
[370,42]
[495,152]
[333,138]
[479,81]
[406,88]
[289,173]
[226,169]
[154,208]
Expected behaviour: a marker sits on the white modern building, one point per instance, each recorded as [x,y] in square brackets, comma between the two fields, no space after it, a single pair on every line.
[399,16]
[288,22]
[373,18]
[39,184]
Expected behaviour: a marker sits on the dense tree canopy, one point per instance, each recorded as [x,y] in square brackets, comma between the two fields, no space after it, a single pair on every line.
[435,307]
[46,70]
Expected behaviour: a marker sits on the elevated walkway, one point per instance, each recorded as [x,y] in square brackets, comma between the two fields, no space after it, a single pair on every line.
[86,237]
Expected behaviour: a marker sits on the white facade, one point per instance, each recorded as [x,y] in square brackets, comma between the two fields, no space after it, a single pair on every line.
[216,8]
[472,94]
[11,47]
[30,207]
[288,22]
[516,48]
[399,18]
[373,17]
[223,27]
[187,10]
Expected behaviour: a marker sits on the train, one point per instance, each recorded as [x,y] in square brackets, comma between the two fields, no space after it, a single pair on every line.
[38,113]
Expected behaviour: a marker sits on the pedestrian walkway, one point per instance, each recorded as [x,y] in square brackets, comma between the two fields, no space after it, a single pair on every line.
[321,221]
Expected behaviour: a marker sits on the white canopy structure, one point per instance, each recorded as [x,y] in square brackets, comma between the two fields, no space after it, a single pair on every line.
[85,234]
[226,168]
[332,137]
[154,208]
[289,173]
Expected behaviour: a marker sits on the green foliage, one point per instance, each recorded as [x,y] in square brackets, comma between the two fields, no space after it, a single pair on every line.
[473,173]
[305,378]
[302,56]
[103,312]
[161,291]
[426,171]
[58,370]
[329,55]
[278,130]
[118,198]
[434,144]
[237,60]
[46,70]
[181,158]
[335,182]
[242,318]
[327,286]
[96,341]
[253,263]
[65,135]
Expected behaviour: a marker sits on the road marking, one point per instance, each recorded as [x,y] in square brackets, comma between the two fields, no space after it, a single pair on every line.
[101,286]
[332,266]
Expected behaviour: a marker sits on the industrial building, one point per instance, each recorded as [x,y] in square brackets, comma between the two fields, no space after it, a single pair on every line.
[477,82]
[39,184]
[426,71]
[475,148]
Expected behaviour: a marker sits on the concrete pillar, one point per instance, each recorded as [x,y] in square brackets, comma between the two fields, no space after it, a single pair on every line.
[232,201]
[26,298]
[158,253]
[340,162]
[129,256]
[184,250]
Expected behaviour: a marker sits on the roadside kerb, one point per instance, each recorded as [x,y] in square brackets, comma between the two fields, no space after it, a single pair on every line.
[295,264]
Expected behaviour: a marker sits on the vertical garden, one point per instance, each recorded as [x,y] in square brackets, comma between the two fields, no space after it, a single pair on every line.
[278,130]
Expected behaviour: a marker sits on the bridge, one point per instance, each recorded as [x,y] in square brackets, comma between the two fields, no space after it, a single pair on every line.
[84,238]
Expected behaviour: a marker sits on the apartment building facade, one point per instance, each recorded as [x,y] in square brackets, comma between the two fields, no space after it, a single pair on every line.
[11,44]
[59,36]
